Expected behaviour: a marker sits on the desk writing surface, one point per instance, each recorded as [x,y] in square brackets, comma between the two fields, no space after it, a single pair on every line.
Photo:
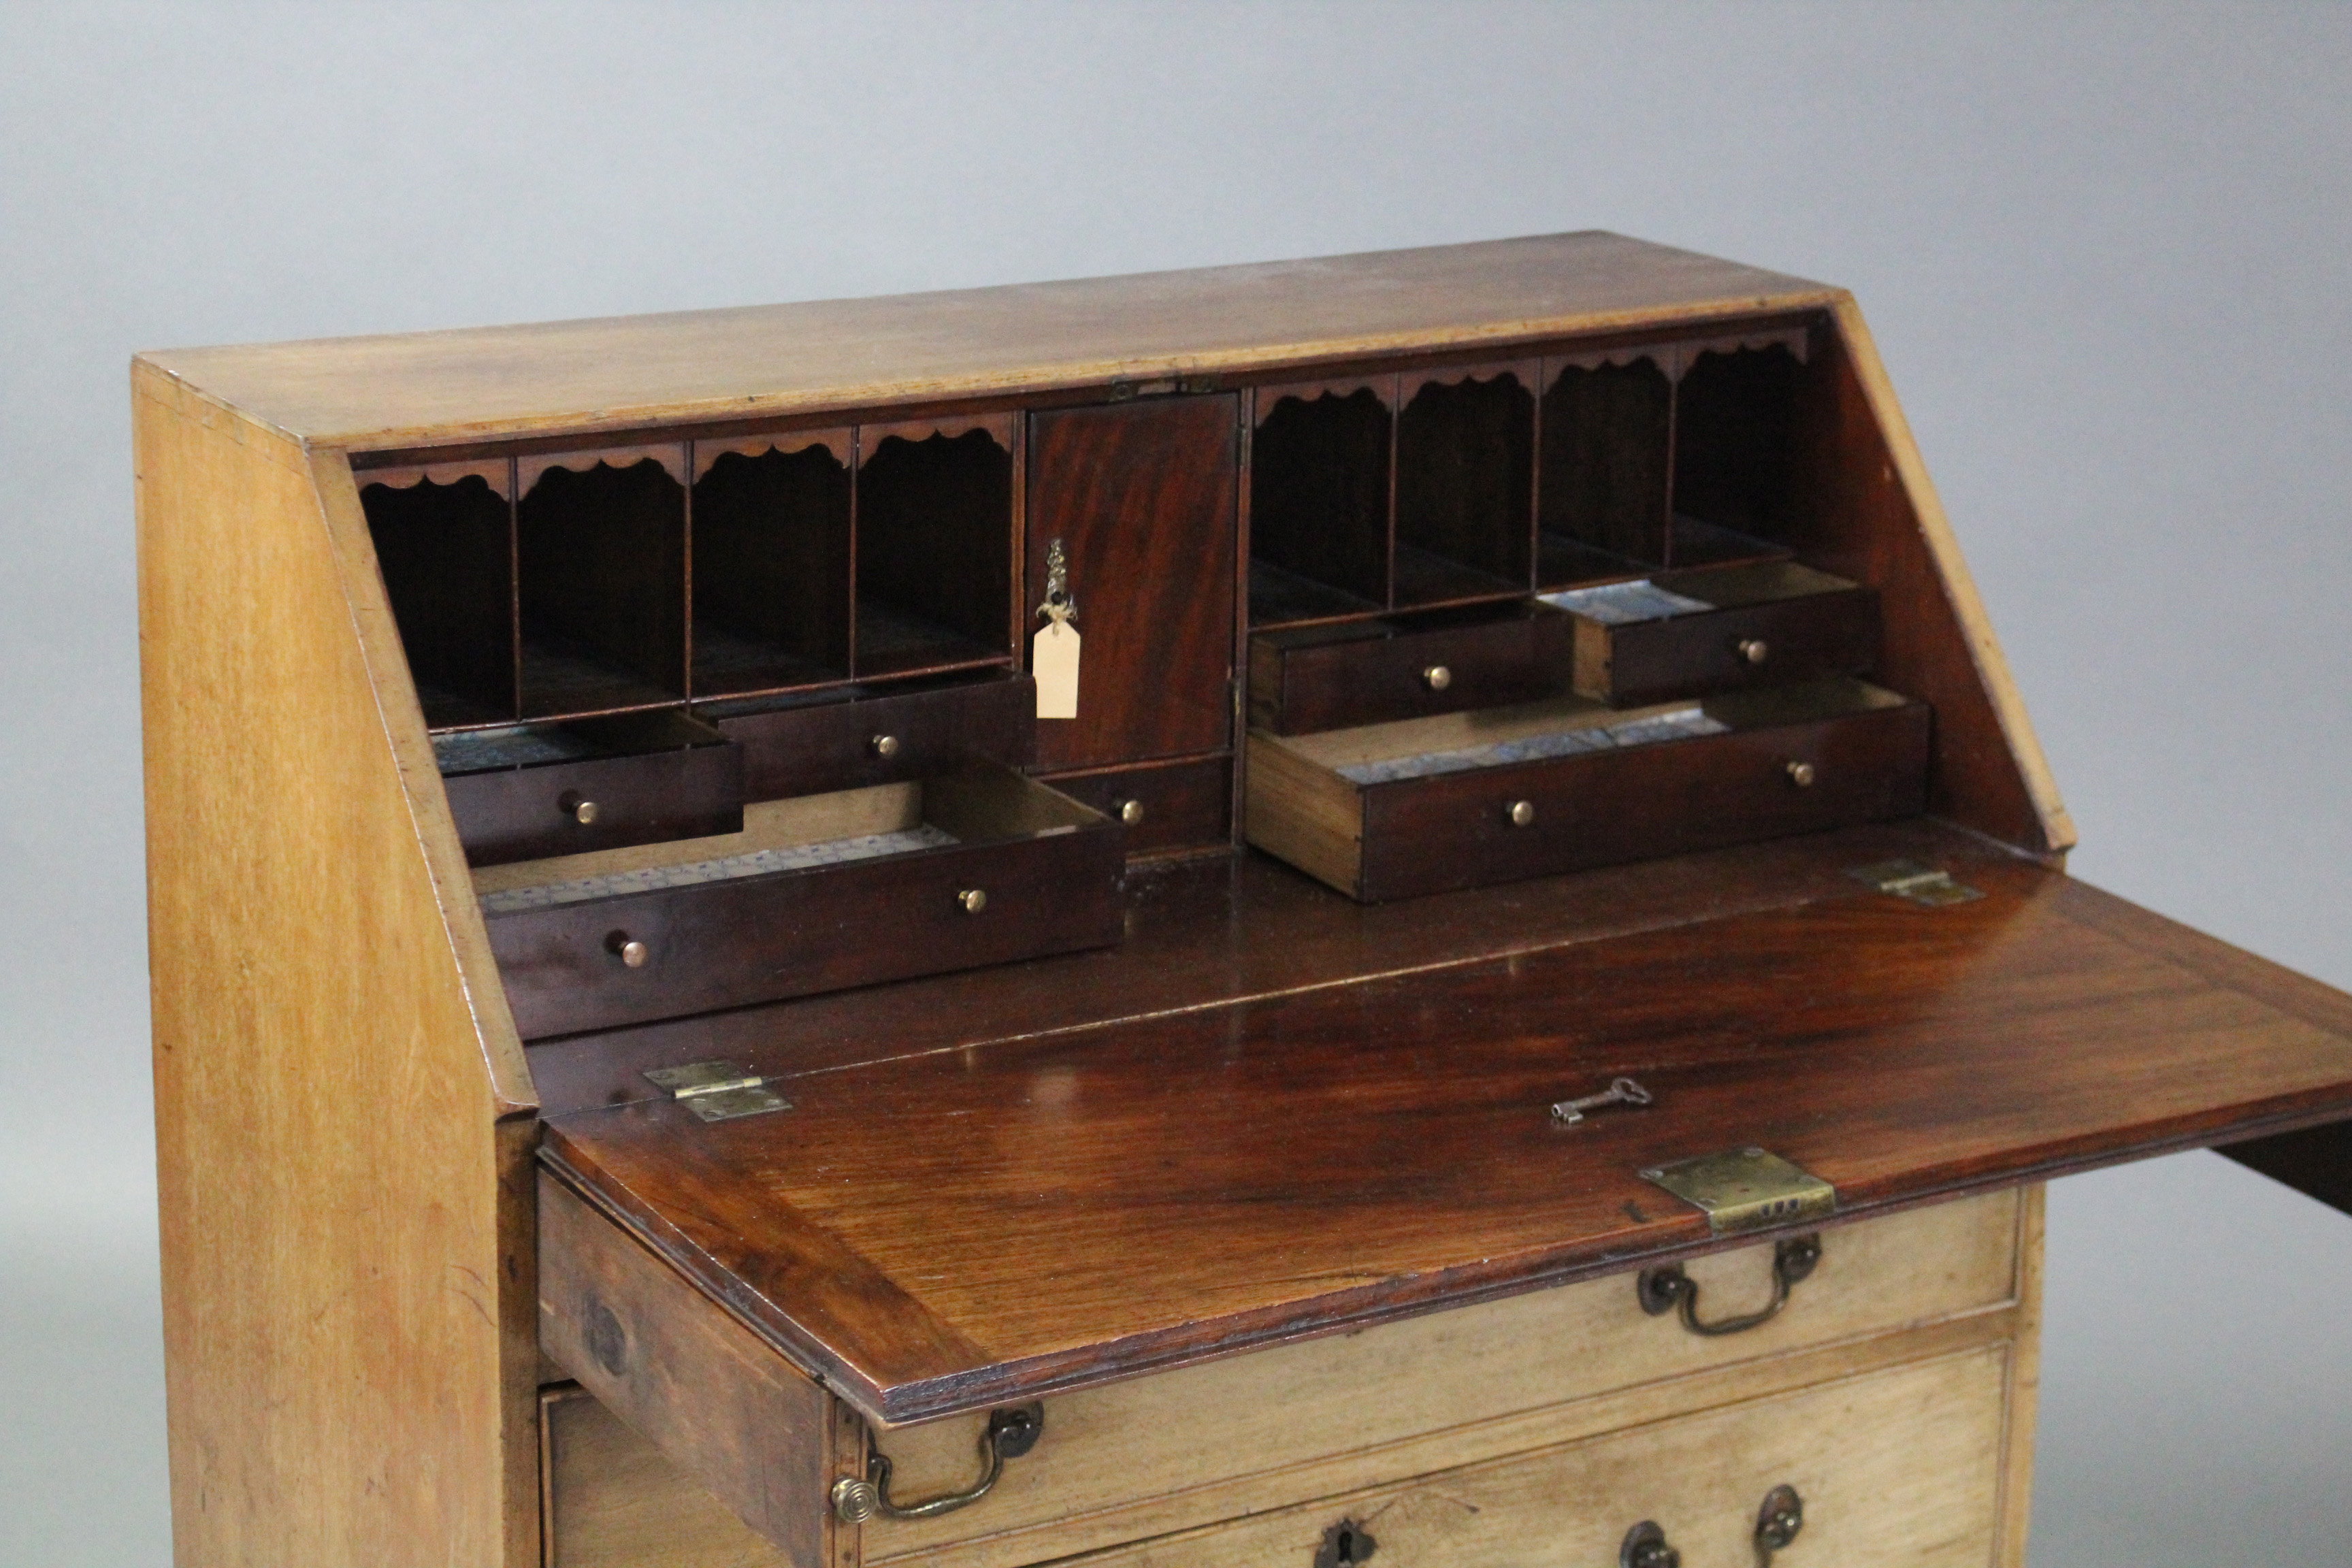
[971,1227]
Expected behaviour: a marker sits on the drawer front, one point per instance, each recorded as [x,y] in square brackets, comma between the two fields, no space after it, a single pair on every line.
[1896,1466]
[762,939]
[604,803]
[1770,644]
[1600,808]
[1173,805]
[870,741]
[1300,687]
[1184,1448]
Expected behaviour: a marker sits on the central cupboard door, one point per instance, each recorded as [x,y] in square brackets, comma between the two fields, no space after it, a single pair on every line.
[1141,497]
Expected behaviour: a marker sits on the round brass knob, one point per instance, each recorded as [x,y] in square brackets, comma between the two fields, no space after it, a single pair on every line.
[1755,650]
[885,745]
[971,900]
[1523,813]
[1130,812]
[855,1499]
[629,950]
[578,807]
[1437,678]
[1801,774]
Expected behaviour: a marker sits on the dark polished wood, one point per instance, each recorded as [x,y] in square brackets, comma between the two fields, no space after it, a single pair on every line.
[1805,637]
[1465,455]
[1368,672]
[771,565]
[1183,805]
[1232,1176]
[1735,418]
[1320,481]
[1607,432]
[934,547]
[832,742]
[1049,870]
[686,1376]
[1141,496]
[446,550]
[1637,803]
[690,788]
[601,579]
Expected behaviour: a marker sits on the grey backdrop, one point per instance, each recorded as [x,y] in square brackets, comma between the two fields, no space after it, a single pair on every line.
[2107,253]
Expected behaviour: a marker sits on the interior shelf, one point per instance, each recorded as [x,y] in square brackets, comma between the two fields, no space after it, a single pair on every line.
[771,563]
[1465,487]
[443,541]
[934,558]
[1320,497]
[601,547]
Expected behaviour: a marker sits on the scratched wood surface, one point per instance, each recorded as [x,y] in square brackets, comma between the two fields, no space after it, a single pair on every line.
[1230,1176]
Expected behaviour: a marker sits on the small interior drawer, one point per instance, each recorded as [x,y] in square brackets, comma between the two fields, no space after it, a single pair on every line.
[977,866]
[1368,672]
[1164,806]
[1687,633]
[526,791]
[816,747]
[1902,1466]
[1392,810]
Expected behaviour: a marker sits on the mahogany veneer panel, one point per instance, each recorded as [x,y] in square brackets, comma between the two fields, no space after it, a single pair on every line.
[1232,1176]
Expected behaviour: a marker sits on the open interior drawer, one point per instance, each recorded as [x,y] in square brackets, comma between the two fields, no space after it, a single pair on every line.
[1393,810]
[974,866]
[527,792]
[1685,634]
[1250,1155]
[1368,672]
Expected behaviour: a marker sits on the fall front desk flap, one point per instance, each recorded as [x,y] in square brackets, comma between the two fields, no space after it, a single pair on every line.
[1287,1150]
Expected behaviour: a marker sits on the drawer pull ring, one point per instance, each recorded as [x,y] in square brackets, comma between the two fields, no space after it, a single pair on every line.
[1667,1289]
[1010,1434]
[1523,814]
[1646,1547]
[1778,1522]
[1437,678]
[578,807]
[1130,812]
[885,746]
[1755,650]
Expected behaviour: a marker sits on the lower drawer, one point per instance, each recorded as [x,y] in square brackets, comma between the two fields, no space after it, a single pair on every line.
[976,867]
[1901,1467]
[1394,810]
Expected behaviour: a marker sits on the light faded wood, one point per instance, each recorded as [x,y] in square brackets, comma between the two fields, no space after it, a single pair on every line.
[1301,812]
[782,359]
[767,824]
[337,1282]
[1898,1467]
[1181,1448]
[2024,1397]
[613,1501]
[1959,586]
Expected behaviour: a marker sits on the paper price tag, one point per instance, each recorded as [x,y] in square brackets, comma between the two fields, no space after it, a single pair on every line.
[1053,661]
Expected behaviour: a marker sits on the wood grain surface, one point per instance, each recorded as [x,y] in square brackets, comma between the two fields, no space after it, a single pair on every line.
[1237,1175]
[341,1289]
[614,1501]
[1141,497]
[777,359]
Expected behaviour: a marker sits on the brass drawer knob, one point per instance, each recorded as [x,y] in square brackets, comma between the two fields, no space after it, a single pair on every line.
[1523,814]
[1437,678]
[628,949]
[578,807]
[1646,1547]
[971,900]
[884,746]
[1009,1435]
[1755,650]
[1130,812]
[1666,1289]
[1801,774]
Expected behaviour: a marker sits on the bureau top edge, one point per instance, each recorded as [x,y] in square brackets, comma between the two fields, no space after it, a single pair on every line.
[434,388]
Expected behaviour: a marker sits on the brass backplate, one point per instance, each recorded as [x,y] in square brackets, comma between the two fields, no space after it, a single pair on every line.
[1747,1189]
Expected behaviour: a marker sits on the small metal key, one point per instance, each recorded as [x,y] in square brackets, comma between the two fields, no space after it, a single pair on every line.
[1624,1091]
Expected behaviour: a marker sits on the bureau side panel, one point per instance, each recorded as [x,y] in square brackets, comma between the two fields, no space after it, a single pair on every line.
[338,1289]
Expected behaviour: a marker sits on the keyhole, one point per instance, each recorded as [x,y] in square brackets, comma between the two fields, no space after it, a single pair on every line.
[1344,1546]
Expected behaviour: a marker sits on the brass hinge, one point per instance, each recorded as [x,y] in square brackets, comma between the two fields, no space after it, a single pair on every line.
[1747,1189]
[718,1092]
[1928,885]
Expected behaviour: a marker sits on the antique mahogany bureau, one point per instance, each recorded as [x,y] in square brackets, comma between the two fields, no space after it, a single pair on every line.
[1515,1015]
